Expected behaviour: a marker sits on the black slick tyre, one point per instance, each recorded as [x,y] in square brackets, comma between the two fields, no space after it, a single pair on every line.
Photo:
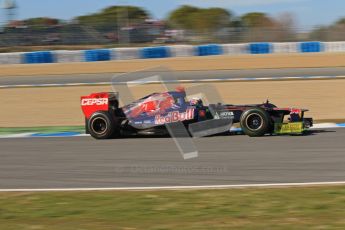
[255,122]
[101,125]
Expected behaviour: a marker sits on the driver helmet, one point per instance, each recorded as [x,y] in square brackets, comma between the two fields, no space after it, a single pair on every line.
[195,101]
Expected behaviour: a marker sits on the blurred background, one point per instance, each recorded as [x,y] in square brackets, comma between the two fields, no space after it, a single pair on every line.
[129,25]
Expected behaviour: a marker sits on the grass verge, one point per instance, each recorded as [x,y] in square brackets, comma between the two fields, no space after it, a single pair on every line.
[269,208]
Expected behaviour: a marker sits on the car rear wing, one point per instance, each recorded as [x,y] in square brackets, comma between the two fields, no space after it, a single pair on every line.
[98,102]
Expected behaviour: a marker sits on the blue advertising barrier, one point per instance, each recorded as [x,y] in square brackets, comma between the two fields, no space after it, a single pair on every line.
[38,57]
[309,47]
[155,52]
[210,49]
[166,51]
[97,55]
[260,48]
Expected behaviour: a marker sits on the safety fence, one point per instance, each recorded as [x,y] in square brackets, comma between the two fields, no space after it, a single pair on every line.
[66,56]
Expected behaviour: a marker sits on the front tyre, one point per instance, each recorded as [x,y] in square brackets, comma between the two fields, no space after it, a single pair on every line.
[255,122]
[101,125]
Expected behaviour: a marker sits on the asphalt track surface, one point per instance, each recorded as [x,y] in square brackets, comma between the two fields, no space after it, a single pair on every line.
[43,163]
[181,75]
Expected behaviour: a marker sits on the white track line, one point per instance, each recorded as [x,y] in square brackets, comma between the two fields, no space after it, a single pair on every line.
[18,135]
[325,126]
[233,129]
[176,81]
[272,185]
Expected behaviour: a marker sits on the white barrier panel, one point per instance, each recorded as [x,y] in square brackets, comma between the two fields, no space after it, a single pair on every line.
[66,56]
[11,58]
[63,56]
[235,49]
[125,53]
[334,46]
[285,47]
[182,50]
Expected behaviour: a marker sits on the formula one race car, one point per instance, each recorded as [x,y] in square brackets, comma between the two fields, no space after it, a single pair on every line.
[153,114]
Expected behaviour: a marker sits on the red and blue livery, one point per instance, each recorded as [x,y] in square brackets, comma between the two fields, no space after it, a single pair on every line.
[149,116]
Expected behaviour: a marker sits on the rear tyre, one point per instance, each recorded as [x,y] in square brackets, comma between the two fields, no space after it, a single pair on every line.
[256,122]
[102,126]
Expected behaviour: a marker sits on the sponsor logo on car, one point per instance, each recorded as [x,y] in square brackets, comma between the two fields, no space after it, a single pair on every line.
[223,115]
[94,101]
[174,116]
[285,128]
[226,114]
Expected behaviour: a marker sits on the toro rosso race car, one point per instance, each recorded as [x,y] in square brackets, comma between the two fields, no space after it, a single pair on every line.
[152,114]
